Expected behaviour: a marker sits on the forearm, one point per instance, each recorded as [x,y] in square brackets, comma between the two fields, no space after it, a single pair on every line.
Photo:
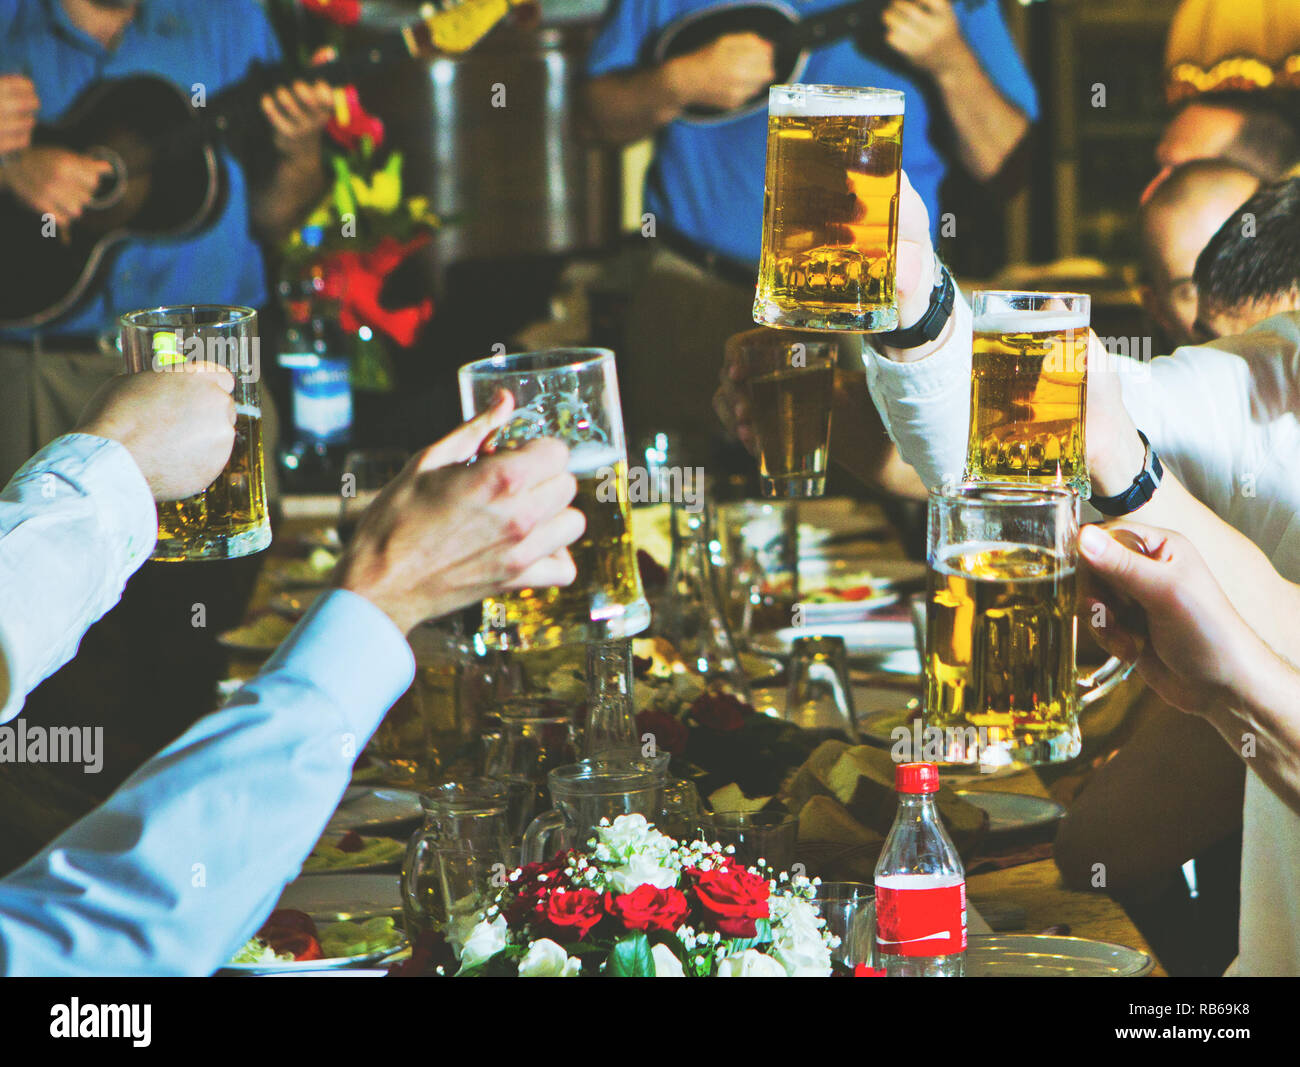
[629,105]
[987,126]
[860,445]
[295,187]
[75,523]
[185,861]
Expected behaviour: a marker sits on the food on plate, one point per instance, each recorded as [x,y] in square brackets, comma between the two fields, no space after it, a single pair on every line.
[352,851]
[290,936]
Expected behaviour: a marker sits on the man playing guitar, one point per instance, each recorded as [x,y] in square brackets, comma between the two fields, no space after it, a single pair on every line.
[955,62]
[51,51]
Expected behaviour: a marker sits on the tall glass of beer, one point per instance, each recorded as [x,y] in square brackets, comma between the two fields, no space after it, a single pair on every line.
[570,394]
[830,209]
[1029,389]
[791,381]
[229,518]
[1000,626]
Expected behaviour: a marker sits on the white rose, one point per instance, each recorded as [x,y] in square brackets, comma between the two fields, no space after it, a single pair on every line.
[546,959]
[641,869]
[797,941]
[625,834]
[750,964]
[667,965]
[484,942]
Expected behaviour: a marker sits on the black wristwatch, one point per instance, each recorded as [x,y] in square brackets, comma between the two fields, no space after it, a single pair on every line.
[931,324]
[1143,488]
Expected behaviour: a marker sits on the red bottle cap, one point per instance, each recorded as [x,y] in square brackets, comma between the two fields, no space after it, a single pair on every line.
[916,778]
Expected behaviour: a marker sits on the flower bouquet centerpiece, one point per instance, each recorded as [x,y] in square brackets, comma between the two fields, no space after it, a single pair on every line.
[637,903]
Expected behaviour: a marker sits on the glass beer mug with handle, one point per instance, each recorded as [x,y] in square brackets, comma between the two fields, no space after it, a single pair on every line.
[229,518]
[1002,687]
[585,793]
[570,394]
[1029,389]
[830,209]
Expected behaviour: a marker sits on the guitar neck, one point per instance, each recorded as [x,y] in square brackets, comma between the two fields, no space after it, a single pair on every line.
[845,21]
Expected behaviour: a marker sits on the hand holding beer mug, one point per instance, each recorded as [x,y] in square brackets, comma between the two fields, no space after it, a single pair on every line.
[790,382]
[1029,389]
[570,394]
[229,518]
[830,212]
[1002,688]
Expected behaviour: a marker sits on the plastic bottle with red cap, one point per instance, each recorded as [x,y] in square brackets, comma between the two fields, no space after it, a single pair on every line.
[920,885]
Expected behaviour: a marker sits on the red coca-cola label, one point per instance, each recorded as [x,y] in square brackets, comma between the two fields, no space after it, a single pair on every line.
[927,920]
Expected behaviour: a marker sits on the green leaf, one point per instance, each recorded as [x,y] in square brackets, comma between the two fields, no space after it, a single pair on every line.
[762,935]
[631,958]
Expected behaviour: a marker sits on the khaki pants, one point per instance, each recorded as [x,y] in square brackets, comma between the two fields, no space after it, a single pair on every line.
[679,318]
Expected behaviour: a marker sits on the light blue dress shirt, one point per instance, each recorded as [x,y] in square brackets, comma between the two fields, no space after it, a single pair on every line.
[185,861]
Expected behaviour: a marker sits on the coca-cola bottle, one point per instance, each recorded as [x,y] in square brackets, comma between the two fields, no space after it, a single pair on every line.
[920,885]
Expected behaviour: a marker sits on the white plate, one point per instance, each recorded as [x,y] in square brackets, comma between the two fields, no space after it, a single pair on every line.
[1009,812]
[1046,956]
[369,806]
[337,966]
[339,897]
[330,838]
[877,644]
[261,637]
[354,972]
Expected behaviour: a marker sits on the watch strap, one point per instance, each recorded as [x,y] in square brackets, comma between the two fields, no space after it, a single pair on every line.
[931,324]
[1143,488]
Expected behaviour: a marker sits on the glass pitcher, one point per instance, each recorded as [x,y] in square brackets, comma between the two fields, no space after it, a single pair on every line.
[583,794]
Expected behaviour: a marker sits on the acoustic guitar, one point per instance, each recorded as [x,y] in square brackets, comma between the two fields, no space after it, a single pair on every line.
[167,177]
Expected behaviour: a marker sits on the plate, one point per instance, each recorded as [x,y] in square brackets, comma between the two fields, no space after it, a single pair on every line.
[367,806]
[1009,812]
[339,897]
[294,605]
[261,636]
[354,972]
[1047,956]
[348,865]
[884,645]
[337,966]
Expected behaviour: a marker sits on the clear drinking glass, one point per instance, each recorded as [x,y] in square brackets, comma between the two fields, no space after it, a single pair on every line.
[570,394]
[757,835]
[585,793]
[1002,688]
[830,209]
[791,384]
[818,693]
[365,472]
[1029,389]
[849,909]
[229,518]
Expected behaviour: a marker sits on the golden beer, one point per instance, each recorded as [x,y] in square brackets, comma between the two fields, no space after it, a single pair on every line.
[1000,654]
[1028,401]
[830,209]
[228,512]
[605,601]
[791,408]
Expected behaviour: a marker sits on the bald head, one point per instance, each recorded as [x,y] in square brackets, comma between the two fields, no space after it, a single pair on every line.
[1177,220]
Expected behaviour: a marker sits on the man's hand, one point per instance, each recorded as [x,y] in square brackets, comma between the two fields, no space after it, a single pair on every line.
[442,536]
[18,107]
[924,32]
[179,425]
[1150,597]
[55,181]
[297,115]
[725,74]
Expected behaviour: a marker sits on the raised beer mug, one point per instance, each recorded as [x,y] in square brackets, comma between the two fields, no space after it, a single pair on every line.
[587,792]
[229,518]
[570,394]
[1029,389]
[830,209]
[1002,686]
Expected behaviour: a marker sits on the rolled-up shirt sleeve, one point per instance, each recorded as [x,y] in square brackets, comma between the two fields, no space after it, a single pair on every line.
[76,522]
[185,861]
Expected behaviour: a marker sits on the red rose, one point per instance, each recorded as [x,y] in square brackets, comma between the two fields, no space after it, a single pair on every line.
[351,123]
[342,12]
[719,711]
[734,899]
[573,909]
[669,732]
[648,908]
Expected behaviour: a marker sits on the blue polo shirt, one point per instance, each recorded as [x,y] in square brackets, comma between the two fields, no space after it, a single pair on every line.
[706,180]
[186,42]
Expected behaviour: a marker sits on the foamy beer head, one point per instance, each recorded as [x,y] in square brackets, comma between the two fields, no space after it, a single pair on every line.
[830,210]
[571,395]
[1029,389]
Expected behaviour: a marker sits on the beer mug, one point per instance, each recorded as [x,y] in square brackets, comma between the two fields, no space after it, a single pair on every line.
[587,792]
[1002,688]
[1029,389]
[791,385]
[229,518]
[830,209]
[570,394]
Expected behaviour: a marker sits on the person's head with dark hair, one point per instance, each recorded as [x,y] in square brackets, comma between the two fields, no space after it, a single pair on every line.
[1259,131]
[1250,269]
[1179,214]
